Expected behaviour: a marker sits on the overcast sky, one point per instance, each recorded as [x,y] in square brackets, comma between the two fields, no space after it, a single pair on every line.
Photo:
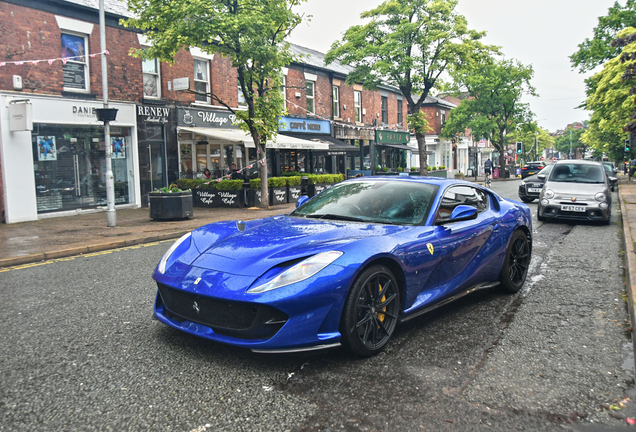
[543,33]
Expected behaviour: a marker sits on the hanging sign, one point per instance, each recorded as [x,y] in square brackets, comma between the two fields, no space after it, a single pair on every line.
[21,116]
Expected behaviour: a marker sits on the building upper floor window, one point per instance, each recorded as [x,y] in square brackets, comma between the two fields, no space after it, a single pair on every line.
[336,101]
[443,117]
[201,80]
[357,105]
[283,90]
[75,68]
[399,111]
[241,96]
[152,81]
[385,114]
[311,108]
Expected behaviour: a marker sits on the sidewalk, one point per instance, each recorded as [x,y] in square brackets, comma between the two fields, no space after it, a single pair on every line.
[59,237]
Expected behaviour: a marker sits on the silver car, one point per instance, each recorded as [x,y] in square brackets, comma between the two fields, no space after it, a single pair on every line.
[576,190]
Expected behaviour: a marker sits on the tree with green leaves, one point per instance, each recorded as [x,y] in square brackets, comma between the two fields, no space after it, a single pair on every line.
[250,33]
[409,44]
[596,51]
[493,109]
[611,102]
[570,142]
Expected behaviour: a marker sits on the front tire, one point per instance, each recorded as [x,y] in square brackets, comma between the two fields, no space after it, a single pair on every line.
[371,311]
[515,267]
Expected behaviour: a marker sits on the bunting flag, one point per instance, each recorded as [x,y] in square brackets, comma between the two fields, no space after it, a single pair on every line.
[50,61]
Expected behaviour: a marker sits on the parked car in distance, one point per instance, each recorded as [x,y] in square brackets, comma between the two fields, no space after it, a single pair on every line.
[346,266]
[576,190]
[611,171]
[531,168]
[530,187]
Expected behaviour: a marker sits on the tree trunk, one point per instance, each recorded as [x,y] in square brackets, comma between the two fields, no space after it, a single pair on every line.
[263,175]
[421,146]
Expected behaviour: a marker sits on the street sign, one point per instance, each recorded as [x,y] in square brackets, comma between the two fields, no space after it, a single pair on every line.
[181,84]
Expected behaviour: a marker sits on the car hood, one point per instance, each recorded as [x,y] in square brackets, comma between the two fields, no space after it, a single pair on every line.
[269,242]
[577,189]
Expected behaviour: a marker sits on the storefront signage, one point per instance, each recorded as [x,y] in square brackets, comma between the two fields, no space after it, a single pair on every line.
[21,116]
[206,118]
[300,125]
[153,114]
[354,133]
[392,137]
[84,111]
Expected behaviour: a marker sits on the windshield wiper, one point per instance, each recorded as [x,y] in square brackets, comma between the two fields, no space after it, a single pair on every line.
[335,217]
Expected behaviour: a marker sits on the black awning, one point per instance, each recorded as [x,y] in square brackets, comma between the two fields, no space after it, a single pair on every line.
[335,145]
[397,146]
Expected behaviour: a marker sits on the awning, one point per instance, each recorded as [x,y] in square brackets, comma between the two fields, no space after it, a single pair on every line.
[237,136]
[397,146]
[335,145]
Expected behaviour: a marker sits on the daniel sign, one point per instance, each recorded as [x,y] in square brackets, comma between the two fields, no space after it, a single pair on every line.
[20,116]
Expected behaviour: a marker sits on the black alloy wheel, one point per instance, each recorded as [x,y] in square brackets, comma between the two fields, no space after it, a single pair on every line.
[515,267]
[371,311]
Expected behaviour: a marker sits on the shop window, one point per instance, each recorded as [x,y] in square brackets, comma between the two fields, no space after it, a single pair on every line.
[152,81]
[75,68]
[357,105]
[399,111]
[202,81]
[336,101]
[385,114]
[310,97]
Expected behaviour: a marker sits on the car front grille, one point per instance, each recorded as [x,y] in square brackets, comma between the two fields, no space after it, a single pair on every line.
[238,319]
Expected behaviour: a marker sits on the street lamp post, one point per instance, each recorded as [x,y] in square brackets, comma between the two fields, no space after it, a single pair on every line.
[107,115]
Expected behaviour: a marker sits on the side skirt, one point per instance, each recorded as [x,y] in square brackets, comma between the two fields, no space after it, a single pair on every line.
[478,287]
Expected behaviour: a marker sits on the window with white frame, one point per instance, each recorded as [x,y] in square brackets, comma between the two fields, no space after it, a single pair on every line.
[399,111]
[310,97]
[357,105]
[201,80]
[336,101]
[152,81]
[75,68]
[385,113]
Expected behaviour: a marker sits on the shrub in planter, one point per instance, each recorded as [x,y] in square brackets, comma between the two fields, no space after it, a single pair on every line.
[459,175]
[442,167]
[170,203]
[254,193]
[319,182]
[277,190]
[400,169]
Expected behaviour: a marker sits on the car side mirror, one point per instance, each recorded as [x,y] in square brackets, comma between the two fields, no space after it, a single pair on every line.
[541,176]
[301,200]
[463,212]
[613,179]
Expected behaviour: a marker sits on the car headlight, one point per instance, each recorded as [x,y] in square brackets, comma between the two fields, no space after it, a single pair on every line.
[549,194]
[545,202]
[301,271]
[164,259]
[600,197]
[523,182]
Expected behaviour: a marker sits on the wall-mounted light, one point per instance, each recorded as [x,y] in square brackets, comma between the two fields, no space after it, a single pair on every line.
[344,107]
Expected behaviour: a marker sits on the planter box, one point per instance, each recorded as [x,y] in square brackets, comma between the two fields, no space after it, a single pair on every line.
[278,195]
[315,189]
[253,197]
[176,205]
[293,193]
[216,198]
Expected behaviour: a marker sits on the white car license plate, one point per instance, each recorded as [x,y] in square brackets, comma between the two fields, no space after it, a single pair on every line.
[572,208]
[534,190]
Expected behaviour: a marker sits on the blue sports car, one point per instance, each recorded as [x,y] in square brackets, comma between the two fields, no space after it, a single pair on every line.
[345,266]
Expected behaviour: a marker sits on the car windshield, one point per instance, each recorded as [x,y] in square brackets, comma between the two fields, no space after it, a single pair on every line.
[577,173]
[546,170]
[388,202]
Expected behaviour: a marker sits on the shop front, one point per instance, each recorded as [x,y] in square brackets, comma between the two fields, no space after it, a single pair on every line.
[157,148]
[360,137]
[59,166]
[327,154]
[392,149]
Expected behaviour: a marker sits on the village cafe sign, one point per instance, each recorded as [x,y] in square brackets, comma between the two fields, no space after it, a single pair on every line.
[206,118]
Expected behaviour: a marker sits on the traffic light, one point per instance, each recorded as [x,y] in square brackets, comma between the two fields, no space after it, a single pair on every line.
[627,145]
[519,147]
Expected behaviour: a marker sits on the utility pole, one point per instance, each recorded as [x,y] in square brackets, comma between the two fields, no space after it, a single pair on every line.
[570,155]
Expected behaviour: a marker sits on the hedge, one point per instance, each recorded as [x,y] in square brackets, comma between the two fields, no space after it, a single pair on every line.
[223,185]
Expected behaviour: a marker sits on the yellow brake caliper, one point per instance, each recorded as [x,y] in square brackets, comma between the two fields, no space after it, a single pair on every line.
[382,300]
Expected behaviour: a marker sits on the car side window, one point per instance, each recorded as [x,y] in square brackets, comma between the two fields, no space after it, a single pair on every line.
[461,195]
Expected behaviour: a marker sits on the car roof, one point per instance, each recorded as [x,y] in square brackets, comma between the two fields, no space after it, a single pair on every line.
[577,161]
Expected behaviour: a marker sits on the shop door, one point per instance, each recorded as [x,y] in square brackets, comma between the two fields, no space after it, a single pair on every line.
[152,163]
[69,170]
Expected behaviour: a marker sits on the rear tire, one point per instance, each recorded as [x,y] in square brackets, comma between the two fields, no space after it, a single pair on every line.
[371,311]
[515,267]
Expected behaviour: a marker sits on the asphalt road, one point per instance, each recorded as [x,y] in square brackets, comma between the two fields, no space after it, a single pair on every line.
[79,350]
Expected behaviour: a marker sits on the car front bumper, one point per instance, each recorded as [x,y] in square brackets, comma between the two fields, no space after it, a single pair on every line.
[589,210]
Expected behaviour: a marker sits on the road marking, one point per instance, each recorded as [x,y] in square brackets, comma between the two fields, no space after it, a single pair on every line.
[88,255]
